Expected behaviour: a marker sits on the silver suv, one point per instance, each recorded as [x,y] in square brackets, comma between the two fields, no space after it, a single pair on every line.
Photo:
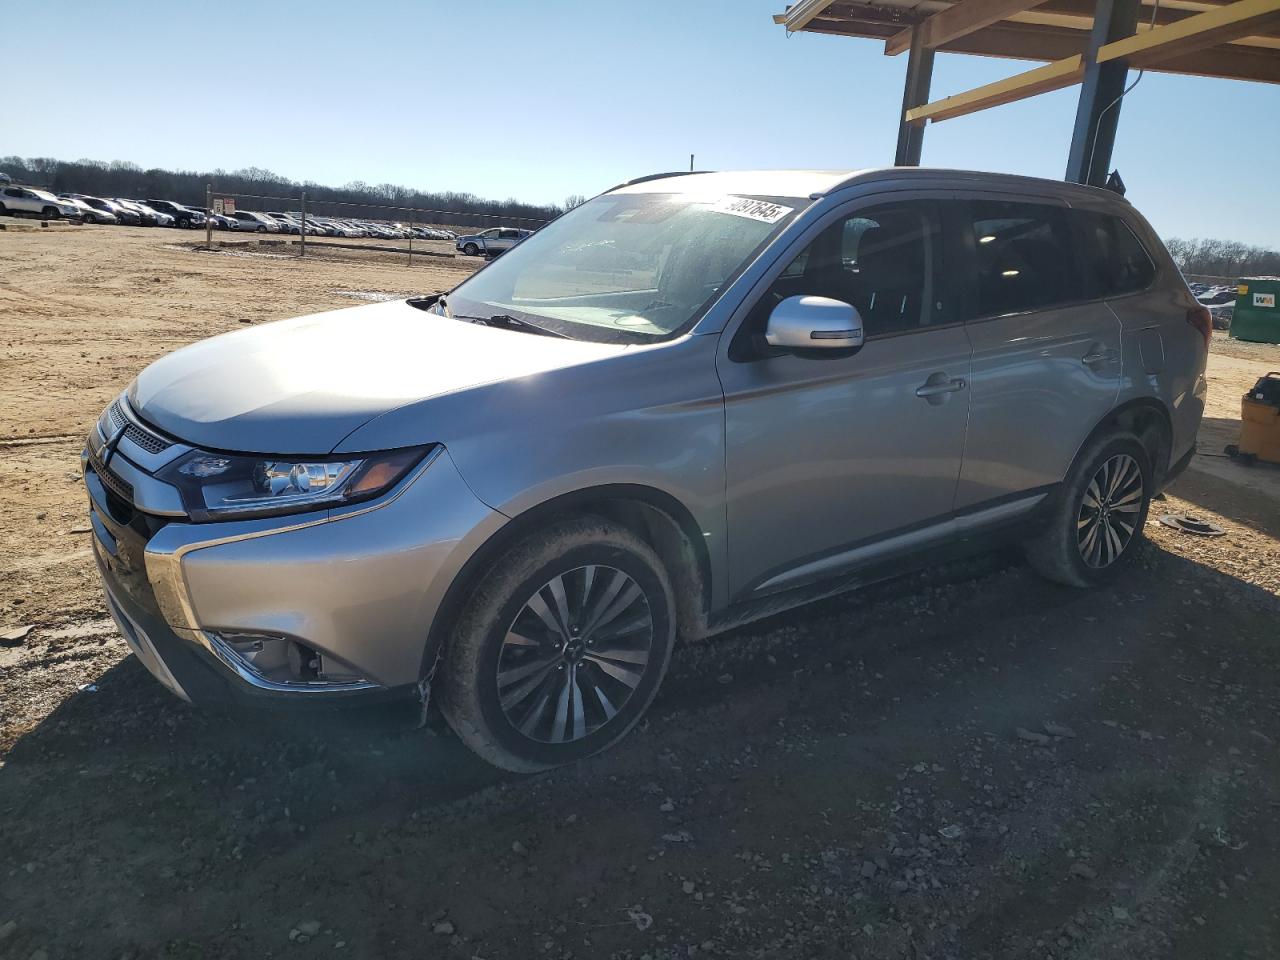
[690,402]
[491,242]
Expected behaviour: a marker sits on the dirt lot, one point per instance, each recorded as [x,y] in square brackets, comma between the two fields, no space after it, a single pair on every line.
[969,763]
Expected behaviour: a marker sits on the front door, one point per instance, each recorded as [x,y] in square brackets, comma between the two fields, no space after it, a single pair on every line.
[828,455]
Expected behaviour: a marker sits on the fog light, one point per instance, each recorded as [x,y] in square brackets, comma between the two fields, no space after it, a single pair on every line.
[282,662]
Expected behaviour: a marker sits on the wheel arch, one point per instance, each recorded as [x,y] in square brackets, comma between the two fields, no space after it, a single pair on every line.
[1148,419]
[654,515]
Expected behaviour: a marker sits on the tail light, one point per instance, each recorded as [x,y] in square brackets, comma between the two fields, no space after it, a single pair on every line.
[1200,318]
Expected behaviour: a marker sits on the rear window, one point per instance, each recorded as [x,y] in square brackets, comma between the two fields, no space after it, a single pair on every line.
[1115,261]
[1024,257]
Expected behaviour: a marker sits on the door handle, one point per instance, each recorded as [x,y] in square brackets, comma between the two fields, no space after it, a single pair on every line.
[938,387]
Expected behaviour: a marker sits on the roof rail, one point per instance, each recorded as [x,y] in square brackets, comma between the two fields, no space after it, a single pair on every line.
[656,176]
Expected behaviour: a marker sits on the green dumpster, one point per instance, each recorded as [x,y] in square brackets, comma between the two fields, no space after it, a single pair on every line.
[1257,314]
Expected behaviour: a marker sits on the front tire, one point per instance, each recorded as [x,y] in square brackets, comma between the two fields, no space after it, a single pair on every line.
[561,647]
[470,249]
[1099,515]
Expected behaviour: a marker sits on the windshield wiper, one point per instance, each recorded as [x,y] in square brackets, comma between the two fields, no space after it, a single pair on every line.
[508,322]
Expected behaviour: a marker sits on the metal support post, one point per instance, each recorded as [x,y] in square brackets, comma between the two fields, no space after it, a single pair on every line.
[1098,111]
[915,93]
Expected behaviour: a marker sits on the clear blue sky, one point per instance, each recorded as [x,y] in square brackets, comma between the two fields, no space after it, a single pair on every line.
[539,99]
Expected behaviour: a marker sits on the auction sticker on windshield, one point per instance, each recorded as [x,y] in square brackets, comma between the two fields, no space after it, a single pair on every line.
[761,210]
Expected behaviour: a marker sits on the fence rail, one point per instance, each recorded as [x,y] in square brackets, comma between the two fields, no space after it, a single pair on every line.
[307,210]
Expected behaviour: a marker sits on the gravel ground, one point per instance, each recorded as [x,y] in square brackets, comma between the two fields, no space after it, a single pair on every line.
[965,763]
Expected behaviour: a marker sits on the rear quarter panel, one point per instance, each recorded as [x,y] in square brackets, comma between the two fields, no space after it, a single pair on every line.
[1164,355]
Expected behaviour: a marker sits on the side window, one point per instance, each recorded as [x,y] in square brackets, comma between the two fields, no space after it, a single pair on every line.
[508,234]
[1024,257]
[1115,261]
[886,261]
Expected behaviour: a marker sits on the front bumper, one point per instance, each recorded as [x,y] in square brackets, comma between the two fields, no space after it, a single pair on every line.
[356,586]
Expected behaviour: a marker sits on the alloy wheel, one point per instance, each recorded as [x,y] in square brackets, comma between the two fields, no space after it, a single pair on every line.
[574,654]
[1110,510]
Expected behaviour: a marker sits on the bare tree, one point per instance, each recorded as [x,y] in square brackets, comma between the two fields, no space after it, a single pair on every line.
[1222,258]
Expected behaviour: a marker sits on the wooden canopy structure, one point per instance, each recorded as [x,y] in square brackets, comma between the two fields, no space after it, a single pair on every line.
[1093,43]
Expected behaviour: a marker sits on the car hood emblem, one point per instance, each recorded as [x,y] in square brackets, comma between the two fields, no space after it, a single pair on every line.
[113,441]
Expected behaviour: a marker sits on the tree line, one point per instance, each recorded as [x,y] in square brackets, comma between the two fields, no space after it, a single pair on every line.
[121,178]
[1223,258]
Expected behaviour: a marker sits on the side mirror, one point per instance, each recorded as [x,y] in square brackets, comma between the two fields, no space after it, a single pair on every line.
[814,323]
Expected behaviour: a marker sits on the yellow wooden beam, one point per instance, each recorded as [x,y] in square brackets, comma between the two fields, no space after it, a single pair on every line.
[1208,29]
[958,20]
[1054,76]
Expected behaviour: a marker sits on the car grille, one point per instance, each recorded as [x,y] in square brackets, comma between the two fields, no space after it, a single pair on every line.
[147,440]
[115,416]
[120,487]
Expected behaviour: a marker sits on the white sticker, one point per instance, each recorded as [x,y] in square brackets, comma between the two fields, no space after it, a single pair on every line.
[761,210]
[1264,299]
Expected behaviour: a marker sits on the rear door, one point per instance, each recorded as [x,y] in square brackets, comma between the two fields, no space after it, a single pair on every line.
[1047,359]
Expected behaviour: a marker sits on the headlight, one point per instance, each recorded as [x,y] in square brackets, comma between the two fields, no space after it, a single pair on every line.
[216,486]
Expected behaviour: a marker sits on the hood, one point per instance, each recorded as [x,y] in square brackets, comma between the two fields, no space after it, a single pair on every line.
[300,386]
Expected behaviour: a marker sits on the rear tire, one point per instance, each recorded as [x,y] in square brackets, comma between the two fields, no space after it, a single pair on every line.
[1098,517]
[49,213]
[560,648]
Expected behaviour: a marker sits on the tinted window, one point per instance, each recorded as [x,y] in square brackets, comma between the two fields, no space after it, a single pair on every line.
[885,261]
[1024,257]
[1114,260]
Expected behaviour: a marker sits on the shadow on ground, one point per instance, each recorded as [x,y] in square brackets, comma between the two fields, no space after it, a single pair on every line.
[968,763]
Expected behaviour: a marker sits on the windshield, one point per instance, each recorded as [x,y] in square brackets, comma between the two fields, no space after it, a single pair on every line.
[625,267]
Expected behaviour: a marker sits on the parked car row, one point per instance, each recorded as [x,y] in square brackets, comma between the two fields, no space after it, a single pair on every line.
[19,200]
[293,222]
[1219,299]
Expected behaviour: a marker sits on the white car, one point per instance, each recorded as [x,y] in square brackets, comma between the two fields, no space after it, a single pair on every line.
[243,220]
[288,223]
[162,219]
[27,201]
